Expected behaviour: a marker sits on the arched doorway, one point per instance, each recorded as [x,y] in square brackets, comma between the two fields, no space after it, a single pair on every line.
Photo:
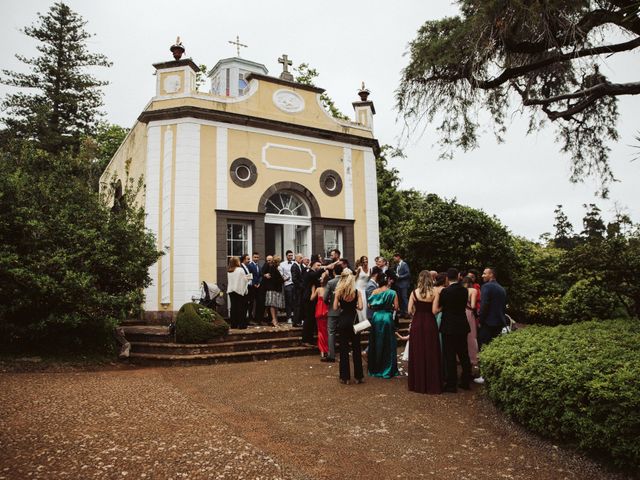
[287,224]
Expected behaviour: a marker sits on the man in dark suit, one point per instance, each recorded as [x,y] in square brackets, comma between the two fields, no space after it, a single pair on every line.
[454,328]
[253,295]
[297,272]
[493,302]
[402,283]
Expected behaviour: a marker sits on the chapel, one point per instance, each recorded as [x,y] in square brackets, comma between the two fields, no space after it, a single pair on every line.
[254,165]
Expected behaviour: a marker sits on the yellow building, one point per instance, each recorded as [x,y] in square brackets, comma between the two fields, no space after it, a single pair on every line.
[257,164]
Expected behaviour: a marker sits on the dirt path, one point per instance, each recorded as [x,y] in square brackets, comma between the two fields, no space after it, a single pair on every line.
[279,419]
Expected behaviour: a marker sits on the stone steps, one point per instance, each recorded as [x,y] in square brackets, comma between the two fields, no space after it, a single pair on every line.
[152,345]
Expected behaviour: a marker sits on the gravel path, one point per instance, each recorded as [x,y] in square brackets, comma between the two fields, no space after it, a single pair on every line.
[288,419]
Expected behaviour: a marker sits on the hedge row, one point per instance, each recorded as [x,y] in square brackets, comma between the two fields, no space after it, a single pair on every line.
[579,384]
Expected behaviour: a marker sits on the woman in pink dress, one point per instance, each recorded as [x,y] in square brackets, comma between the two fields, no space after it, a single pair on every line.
[321,313]
[472,339]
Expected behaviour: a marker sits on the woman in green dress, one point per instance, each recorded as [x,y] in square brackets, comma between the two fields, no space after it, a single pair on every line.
[382,353]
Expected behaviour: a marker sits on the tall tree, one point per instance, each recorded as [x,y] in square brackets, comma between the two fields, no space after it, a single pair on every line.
[564,229]
[63,99]
[544,53]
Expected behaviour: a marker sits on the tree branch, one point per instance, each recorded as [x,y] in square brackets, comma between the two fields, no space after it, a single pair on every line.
[601,89]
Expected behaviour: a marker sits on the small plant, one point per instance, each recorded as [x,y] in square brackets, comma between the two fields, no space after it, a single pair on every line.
[198,324]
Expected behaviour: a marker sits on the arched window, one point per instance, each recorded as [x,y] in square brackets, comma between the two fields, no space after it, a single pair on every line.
[286,204]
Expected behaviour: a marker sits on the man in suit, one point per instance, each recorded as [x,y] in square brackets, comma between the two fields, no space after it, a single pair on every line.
[297,272]
[493,302]
[454,328]
[289,300]
[253,295]
[332,318]
[403,279]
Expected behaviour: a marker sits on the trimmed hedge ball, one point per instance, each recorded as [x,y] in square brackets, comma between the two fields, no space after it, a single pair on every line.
[198,324]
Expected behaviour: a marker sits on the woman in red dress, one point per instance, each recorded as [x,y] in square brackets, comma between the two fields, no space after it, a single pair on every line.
[425,368]
[321,313]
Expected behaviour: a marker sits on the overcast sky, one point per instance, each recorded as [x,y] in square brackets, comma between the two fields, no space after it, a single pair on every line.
[520,181]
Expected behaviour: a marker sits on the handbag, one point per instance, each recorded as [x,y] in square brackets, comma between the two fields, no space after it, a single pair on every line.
[360,326]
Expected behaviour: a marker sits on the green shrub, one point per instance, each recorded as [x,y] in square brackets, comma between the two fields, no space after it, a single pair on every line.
[576,383]
[197,324]
[544,310]
[587,300]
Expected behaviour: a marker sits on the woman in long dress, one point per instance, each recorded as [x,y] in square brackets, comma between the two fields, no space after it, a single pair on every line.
[425,361]
[348,299]
[382,354]
[362,277]
[237,288]
[274,298]
[321,314]
[472,336]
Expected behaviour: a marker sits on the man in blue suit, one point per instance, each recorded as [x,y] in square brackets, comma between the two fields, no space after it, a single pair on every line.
[255,313]
[493,302]
[402,283]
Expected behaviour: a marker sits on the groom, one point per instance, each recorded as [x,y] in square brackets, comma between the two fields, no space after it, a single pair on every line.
[454,329]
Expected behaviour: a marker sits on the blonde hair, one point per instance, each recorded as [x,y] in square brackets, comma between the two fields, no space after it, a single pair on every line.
[346,287]
[276,260]
[425,283]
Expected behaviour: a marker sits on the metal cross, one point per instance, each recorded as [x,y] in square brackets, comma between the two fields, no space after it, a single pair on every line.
[285,63]
[237,44]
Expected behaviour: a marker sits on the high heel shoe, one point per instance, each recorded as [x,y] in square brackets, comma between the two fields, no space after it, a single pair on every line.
[274,323]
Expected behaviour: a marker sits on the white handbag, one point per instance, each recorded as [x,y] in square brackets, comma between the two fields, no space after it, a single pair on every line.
[360,326]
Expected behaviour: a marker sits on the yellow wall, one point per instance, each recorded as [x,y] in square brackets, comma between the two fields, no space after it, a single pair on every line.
[207,203]
[260,104]
[164,75]
[249,145]
[132,153]
[359,203]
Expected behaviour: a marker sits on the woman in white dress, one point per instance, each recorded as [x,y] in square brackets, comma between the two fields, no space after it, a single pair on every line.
[362,277]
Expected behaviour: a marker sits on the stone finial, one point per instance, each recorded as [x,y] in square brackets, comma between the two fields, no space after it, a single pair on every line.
[363,93]
[177,49]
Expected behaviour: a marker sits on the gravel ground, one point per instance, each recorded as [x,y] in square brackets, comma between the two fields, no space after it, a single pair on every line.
[288,419]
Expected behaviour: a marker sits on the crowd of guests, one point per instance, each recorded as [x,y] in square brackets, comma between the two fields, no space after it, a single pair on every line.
[452,315]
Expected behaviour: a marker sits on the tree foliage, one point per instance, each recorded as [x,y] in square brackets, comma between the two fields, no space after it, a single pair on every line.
[69,267]
[545,54]
[62,101]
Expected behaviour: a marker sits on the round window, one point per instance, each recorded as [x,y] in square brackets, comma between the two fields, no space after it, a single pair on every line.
[331,183]
[243,172]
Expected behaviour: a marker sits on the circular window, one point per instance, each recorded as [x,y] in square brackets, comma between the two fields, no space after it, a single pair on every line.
[243,172]
[331,183]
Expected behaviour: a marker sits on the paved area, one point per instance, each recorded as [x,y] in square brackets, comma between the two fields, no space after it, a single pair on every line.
[281,419]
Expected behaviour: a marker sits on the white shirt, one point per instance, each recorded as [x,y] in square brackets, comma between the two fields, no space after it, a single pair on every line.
[237,281]
[286,272]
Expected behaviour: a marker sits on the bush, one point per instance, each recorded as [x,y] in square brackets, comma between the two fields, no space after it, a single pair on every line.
[576,383]
[587,300]
[70,268]
[197,324]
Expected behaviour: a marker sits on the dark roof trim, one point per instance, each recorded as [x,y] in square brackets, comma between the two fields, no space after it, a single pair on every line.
[187,62]
[279,81]
[256,122]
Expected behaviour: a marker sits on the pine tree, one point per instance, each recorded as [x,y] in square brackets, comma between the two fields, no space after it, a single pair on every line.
[564,230]
[63,101]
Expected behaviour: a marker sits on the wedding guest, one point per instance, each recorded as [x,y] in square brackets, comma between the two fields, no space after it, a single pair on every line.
[255,302]
[475,276]
[321,313]
[332,317]
[472,318]
[382,352]
[454,328]
[402,283]
[274,299]
[237,285]
[348,300]
[311,280]
[425,368]
[289,288]
[362,277]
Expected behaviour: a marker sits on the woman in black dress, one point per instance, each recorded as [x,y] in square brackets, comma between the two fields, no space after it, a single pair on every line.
[349,300]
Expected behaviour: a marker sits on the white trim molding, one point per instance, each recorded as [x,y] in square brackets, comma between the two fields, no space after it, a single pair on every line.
[308,151]
[152,210]
[222,160]
[371,205]
[165,233]
[186,218]
[348,183]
